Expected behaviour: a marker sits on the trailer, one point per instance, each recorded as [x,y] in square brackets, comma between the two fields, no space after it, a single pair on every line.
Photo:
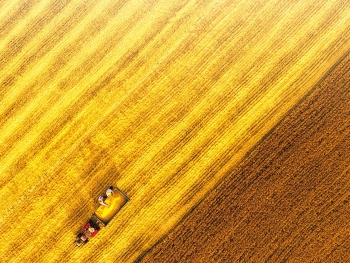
[113,201]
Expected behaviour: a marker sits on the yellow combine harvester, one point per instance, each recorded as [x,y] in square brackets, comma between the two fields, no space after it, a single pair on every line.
[111,203]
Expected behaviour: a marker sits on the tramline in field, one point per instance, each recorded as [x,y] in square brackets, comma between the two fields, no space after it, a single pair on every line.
[110,204]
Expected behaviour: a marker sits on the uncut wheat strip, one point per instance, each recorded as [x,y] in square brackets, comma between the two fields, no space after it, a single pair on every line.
[48,58]
[63,244]
[44,232]
[287,251]
[41,37]
[328,205]
[62,47]
[8,7]
[11,19]
[29,120]
[335,245]
[21,38]
[247,198]
[2,3]
[23,24]
[69,94]
[36,246]
[338,222]
[302,237]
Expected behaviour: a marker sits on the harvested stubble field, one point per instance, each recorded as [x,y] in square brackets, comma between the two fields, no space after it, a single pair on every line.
[163,99]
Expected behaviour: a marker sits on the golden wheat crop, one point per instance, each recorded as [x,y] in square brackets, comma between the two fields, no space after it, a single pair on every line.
[160,98]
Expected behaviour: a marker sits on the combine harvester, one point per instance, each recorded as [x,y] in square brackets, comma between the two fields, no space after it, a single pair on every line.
[111,203]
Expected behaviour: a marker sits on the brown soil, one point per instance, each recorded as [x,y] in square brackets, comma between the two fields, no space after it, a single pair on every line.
[289,199]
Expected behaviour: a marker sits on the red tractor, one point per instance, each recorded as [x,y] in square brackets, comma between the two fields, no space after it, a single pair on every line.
[111,203]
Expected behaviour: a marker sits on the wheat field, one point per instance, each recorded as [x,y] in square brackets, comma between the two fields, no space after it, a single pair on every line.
[160,98]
